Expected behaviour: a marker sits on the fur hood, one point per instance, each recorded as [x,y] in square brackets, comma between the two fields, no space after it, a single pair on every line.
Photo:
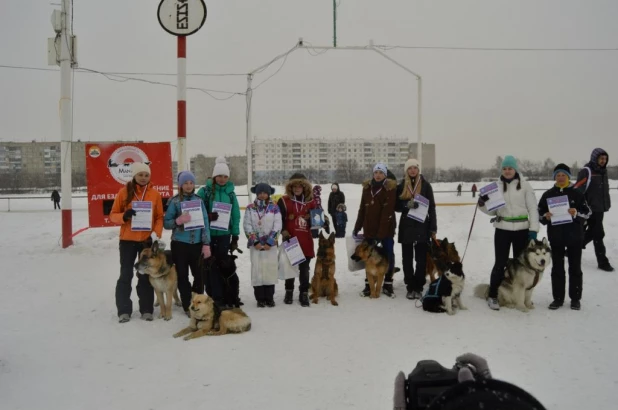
[389,184]
[307,188]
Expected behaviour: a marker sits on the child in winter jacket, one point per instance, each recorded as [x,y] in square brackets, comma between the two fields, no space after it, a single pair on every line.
[139,194]
[566,239]
[189,244]
[295,207]
[341,220]
[221,189]
[317,197]
[516,223]
[262,225]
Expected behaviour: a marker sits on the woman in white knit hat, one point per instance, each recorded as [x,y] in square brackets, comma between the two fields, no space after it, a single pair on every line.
[221,189]
[414,235]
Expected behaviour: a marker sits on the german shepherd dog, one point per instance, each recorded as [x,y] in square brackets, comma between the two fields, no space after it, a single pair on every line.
[323,282]
[440,250]
[208,320]
[521,276]
[156,263]
[376,265]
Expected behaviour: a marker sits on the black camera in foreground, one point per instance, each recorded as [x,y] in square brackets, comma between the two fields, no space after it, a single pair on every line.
[428,380]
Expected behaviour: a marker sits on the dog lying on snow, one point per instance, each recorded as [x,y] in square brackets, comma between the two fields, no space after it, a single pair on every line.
[208,320]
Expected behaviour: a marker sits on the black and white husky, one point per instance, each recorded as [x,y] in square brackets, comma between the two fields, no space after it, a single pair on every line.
[521,277]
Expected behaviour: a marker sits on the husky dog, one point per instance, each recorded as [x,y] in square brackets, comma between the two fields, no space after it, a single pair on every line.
[444,293]
[521,276]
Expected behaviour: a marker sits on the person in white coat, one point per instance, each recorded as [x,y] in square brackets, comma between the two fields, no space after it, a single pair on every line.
[516,223]
[262,225]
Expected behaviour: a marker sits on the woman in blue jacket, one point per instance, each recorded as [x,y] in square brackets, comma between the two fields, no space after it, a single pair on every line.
[189,241]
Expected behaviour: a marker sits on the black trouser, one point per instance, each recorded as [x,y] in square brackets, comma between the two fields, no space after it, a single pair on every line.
[129,251]
[473,194]
[571,247]
[185,256]
[415,281]
[215,282]
[595,234]
[502,247]
[264,293]
[57,204]
[340,231]
[303,287]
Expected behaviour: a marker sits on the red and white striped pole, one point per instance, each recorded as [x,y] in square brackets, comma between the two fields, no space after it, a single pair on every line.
[66,119]
[182,103]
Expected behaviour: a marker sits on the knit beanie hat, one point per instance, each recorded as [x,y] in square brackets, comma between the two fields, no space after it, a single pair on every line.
[185,176]
[138,167]
[564,169]
[221,167]
[509,161]
[380,167]
[412,163]
[263,187]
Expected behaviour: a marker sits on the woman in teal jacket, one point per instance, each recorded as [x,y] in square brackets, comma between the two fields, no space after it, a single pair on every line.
[221,286]
[189,244]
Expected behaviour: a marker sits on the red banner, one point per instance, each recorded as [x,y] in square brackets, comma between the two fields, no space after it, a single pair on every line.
[108,169]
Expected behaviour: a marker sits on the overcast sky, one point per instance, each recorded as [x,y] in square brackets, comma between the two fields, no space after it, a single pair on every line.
[476,104]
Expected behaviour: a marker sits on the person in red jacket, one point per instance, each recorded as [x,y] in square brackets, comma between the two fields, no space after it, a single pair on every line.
[295,207]
[138,194]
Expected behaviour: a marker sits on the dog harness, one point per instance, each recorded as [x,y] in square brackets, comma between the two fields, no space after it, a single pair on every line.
[536,279]
[432,291]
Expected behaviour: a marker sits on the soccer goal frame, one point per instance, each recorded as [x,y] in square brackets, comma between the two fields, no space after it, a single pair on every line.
[301,45]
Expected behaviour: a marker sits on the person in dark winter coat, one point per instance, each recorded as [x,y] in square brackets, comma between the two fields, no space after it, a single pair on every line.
[459,190]
[55,196]
[295,207]
[414,235]
[566,239]
[341,221]
[593,182]
[474,189]
[335,198]
[376,217]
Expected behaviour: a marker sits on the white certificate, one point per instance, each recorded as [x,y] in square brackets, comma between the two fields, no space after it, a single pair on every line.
[223,220]
[420,213]
[559,208]
[496,199]
[142,220]
[293,251]
[193,208]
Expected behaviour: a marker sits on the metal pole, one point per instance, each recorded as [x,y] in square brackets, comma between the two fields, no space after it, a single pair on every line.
[66,120]
[249,148]
[334,23]
[419,121]
[182,103]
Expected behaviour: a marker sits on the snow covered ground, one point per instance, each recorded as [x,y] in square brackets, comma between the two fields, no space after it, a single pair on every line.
[61,346]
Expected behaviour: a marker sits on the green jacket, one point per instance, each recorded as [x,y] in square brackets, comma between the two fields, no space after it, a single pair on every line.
[224,194]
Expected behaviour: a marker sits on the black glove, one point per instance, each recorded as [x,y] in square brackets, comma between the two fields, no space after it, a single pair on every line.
[128,214]
[483,199]
[285,236]
[234,243]
[213,216]
[415,205]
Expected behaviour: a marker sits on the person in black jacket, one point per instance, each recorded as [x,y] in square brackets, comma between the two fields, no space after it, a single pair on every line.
[414,235]
[592,181]
[335,198]
[55,196]
[565,238]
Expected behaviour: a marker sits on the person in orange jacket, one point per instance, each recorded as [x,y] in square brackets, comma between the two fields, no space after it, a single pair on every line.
[138,194]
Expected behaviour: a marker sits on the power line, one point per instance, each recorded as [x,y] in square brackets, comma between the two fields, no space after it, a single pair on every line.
[17,67]
[387,47]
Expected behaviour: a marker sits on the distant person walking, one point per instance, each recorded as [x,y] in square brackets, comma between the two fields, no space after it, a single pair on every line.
[474,189]
[459,190]
[55,196]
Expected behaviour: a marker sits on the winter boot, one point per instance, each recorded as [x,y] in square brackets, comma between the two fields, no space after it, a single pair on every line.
[147,317]
[270,303]
[124,318]
[414,294]
[606,267]
[304,299]
[493,303]
[387,289]
[575,305]
[261,304]
[556,304]
[288,297]
[365,293]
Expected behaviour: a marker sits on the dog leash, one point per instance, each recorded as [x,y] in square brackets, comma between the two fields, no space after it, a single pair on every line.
[470,233]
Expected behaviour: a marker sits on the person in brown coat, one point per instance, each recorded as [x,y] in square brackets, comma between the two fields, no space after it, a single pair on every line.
[376,218]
